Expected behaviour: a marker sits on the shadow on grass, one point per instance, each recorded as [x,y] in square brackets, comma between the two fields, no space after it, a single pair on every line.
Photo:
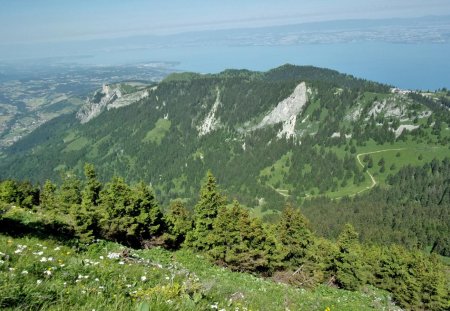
[53,230]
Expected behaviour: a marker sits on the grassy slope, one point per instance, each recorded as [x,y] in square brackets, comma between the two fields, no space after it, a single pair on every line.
[58,278]
[45,274]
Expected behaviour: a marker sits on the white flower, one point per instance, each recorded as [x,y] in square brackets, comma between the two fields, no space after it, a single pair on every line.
[101,257]
[50,259]
[40,253]
[1,262]
[48,272]
[43,259]
[97,280]
[113,255]
[83,292]
[214,306]
[24,272]
[12,269]
[121,263]
[57,248]
[143,278]
[128,285]
[20,248]
[39,282]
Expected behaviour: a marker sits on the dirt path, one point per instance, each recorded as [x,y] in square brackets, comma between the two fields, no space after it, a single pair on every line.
[374,182]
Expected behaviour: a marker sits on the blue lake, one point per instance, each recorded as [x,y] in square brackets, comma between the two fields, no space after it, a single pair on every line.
[411,66]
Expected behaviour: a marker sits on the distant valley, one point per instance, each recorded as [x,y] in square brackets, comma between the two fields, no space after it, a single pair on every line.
[33,94]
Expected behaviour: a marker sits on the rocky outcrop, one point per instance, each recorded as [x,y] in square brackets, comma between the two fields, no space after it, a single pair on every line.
[210,122]
[286,111]
[108,97]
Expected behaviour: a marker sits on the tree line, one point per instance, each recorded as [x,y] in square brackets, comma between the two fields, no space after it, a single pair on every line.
[287,250]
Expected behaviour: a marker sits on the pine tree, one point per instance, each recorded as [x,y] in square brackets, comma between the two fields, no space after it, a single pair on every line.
[205,212]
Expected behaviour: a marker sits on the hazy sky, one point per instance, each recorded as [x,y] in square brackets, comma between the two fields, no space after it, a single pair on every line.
[57,20]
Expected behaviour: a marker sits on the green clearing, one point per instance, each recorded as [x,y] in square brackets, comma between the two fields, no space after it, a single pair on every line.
[70,137]
[409,155]
[77,144]
[157,134]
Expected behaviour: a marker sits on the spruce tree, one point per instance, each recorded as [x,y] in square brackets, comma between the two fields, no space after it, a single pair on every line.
[69,193]
[205,212]
[239,241]
[115,199]
[132,214]
[8,191]
[178,222]
[348,266]
[294,236]
[86,216]
[48,196]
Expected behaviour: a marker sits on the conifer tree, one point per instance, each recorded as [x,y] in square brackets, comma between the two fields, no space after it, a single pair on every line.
[239,241]
[145,216]
[348,265]
[48,196]
[91,192]
[86,216]
[294,236]
[178,222]
[69,193]
[8,191]
[132,214]
[115,199]
[205,213]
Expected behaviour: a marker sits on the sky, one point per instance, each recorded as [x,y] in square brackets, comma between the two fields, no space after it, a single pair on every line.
[32,21]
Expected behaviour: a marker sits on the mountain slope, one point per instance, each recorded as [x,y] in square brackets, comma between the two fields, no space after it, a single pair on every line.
[291,132]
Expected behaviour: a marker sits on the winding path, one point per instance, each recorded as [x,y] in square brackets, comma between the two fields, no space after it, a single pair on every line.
[374,182]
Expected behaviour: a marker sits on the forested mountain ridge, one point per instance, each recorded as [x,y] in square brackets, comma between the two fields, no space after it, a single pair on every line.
[289,132]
